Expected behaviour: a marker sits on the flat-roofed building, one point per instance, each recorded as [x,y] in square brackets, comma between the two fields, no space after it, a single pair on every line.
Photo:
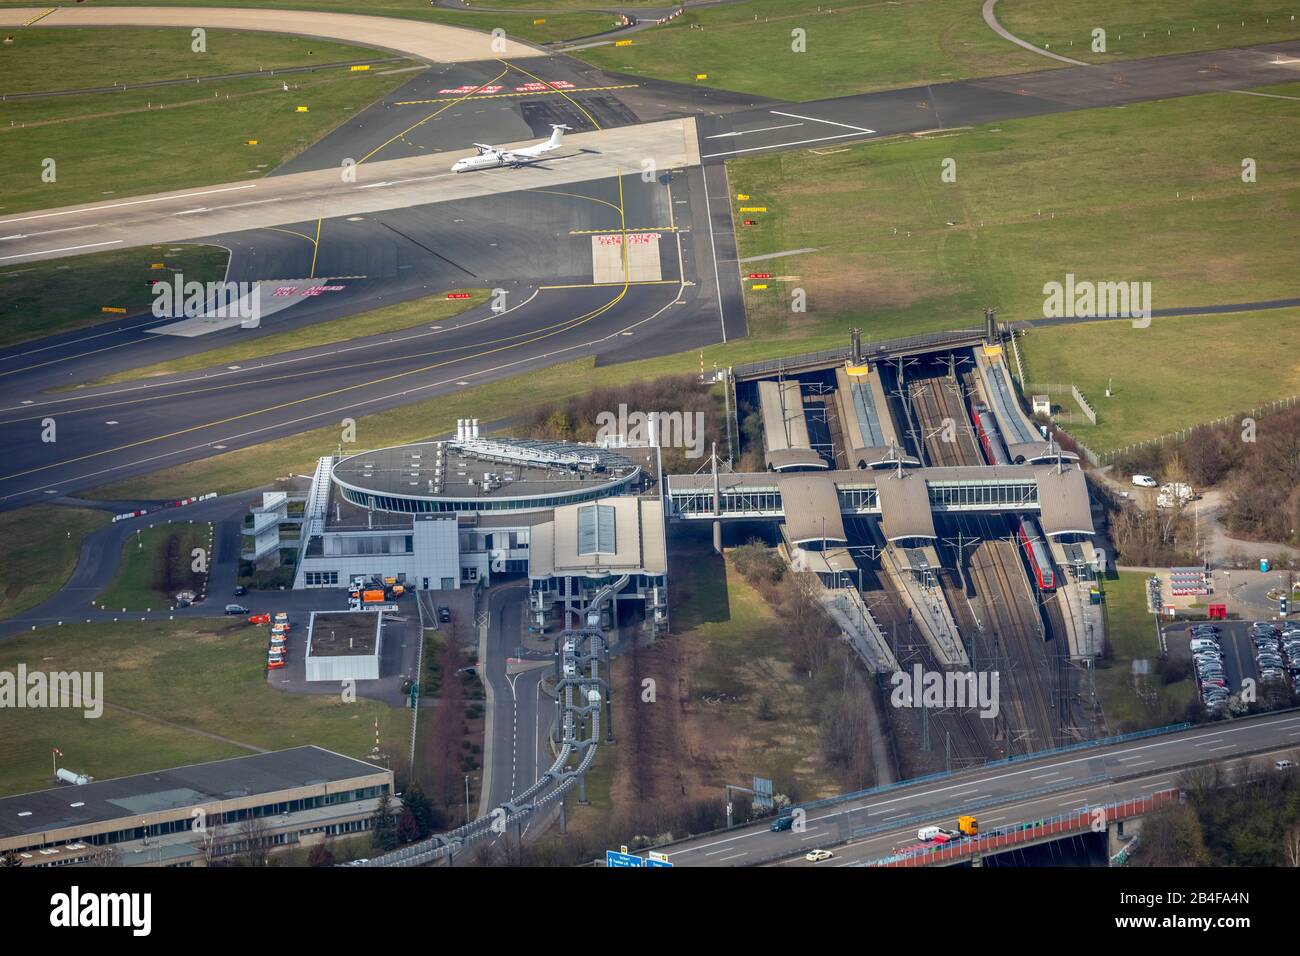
[196,814]
[344,645]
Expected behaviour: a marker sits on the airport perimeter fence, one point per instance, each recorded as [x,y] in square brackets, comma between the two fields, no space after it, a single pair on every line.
[1259,411]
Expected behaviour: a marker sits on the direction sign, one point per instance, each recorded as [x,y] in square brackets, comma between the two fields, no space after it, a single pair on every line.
[615,858]
[654,858]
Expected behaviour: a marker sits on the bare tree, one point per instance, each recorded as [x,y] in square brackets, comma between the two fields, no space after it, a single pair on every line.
[255,842]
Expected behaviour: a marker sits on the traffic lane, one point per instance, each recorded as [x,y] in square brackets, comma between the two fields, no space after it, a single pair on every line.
[1143,757]
[119,436]
[500,745]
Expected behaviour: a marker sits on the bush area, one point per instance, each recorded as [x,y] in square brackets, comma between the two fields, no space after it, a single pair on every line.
[159,562]
[1256,462]
[579,417]
[1253,820]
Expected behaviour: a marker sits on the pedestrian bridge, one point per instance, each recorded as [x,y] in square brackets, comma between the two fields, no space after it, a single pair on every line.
[813,504]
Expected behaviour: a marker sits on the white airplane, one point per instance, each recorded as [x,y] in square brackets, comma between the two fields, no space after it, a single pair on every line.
[493,157]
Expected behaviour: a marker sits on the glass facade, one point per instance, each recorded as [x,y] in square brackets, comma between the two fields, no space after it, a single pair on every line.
[402,504]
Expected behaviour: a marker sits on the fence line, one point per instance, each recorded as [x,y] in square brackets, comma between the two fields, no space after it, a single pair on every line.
[1181,434]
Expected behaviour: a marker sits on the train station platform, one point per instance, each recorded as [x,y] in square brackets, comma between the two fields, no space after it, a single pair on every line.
[786,443]
[870,438]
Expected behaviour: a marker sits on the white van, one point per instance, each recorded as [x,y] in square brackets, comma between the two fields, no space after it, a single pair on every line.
[1204,644]
[1144,481]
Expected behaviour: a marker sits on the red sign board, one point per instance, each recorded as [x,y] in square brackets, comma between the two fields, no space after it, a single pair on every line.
[751,222]
[458,295]
[760,275]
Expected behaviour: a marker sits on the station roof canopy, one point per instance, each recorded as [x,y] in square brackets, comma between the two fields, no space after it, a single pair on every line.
[1063,500]
[812,509]
[904,505]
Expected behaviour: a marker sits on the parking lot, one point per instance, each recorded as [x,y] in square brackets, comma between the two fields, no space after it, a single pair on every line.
[1224,654]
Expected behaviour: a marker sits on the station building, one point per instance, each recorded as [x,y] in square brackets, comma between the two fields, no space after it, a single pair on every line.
[442,515]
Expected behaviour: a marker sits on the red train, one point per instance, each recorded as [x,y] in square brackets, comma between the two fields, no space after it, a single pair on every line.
[1040,562]
[995,450]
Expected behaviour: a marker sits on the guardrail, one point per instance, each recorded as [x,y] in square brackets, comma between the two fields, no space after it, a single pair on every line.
[1061,825]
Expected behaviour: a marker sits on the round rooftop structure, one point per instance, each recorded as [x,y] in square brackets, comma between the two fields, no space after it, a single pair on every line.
[474,475]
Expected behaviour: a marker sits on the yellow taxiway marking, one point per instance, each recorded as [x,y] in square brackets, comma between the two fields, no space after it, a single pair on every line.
[315,243]
[602,232]
[579,106]
[435,114]
[550,331]
[39,16]
[504,96]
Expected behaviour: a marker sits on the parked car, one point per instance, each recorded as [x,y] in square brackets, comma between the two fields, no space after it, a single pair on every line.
[1283,765]
[444,613]
[236,609]
[1145,481]
[240,590]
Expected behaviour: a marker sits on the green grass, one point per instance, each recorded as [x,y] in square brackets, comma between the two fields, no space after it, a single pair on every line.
[146,565]
[576,18]
[430,309]
[40,60]
[1138,193]
[1244,360]
[861,46]
[1132,635]
[62,295]
[1148,27]
[108,145]
[204,676]
[42,544]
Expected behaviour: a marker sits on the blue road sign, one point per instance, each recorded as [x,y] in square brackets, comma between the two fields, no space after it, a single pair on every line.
[651,861]
[614,858]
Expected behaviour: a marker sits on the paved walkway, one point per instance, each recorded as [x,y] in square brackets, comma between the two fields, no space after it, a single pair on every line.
[435,42]
[991,19]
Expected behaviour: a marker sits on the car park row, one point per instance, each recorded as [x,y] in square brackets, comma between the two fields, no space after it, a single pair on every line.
[1277,657]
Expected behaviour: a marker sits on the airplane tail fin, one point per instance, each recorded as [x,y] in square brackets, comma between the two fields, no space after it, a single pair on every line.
[557,132]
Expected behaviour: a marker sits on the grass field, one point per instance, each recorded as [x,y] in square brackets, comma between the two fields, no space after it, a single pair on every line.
[1138,193]
[183,681]
[431,309]
[1147,27]
[42,543]
[156,563]
[41,60]
[1132,636]
[119,144]
[62,295]
[573,18]
[850,47]
[1240,361]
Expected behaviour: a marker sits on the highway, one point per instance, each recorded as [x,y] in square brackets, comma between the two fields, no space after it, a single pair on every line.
[1024,790]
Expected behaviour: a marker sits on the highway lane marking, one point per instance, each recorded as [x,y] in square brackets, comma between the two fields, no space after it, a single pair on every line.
[746,132]
[131,202]
[734,856]
[964,793]
[1216,740]
[47,252]
[851,807]
[1223,747]
[1041,776]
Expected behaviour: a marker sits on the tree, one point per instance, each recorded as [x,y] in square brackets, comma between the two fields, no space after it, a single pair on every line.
[383,832]
[255,842]
[10,859]
[408,831]
[415,800]
[320,855]
[1173,837]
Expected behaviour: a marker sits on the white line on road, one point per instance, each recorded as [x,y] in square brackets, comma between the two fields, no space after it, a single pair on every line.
[734,856]
[746,132]
[133,202]
[46,252]
[1042,776]
[802,142]
[817,119]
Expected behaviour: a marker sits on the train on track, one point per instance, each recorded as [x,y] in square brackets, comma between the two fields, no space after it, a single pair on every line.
[1027,531]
